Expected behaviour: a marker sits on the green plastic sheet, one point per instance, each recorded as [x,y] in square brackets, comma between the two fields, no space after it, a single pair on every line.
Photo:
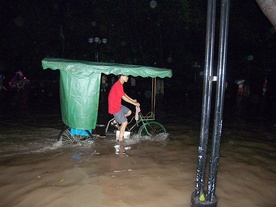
[80,86]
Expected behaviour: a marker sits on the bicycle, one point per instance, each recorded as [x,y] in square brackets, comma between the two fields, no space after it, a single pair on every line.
[144,127]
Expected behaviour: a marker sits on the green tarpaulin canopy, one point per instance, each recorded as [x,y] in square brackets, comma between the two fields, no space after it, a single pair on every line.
[80,86]
[87,67]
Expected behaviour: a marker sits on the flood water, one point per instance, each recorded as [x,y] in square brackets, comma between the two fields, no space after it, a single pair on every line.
[36,170]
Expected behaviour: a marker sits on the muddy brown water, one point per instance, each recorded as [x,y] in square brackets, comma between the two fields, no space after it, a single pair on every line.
[35,170]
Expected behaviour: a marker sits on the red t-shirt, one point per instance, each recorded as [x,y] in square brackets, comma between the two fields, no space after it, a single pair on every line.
[115,97]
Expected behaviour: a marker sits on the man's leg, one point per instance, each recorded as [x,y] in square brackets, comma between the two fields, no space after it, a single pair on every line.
[123,127]
[128,113]
[122,131]
[121,118]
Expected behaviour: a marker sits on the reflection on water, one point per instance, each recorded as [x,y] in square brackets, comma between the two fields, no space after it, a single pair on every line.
[36,168]
[37,132]
[26,140]
[30,140]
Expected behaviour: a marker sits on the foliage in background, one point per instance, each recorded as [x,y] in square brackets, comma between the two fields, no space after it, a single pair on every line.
[170,34]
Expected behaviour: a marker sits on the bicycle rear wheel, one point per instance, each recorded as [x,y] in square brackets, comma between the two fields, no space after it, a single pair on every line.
[151,129]
[66,138]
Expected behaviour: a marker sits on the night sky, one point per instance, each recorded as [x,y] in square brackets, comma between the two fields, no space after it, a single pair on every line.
[161,33]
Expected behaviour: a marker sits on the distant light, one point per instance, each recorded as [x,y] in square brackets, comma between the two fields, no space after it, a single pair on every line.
[153,4]
[19,21]
[90,40]
[250,58]
[97,40]
[94,24]
[104,40]
[123,43]
[170,60]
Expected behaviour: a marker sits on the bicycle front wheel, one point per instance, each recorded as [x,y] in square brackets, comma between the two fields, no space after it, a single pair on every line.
[151,129]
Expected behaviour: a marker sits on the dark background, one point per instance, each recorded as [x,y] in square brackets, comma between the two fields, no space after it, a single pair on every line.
[170,34]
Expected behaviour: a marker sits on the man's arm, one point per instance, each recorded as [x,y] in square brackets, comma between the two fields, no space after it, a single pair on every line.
[130,100]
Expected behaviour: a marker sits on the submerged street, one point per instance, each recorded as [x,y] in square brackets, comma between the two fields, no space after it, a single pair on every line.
[209,65]
[37,171]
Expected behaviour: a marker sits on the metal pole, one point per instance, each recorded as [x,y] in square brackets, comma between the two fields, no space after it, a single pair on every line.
[206,101]
[202,197]
[217,129]
[153,95]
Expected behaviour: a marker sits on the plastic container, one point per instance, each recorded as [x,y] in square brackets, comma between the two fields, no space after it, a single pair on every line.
[126,134]
[80,132]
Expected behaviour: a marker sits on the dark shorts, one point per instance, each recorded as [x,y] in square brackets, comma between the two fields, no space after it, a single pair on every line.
[121,115]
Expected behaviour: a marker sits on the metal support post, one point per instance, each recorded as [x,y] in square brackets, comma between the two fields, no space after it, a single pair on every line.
[203,197]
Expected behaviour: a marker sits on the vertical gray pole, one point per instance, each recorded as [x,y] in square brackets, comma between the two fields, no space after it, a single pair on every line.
[220,91]
[202,197]
[206,101]
[153,95]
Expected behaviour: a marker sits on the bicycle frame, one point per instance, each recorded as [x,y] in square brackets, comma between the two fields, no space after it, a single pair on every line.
[142,119]
[150,116]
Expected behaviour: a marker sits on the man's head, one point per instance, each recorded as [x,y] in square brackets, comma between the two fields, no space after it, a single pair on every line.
[123,78]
